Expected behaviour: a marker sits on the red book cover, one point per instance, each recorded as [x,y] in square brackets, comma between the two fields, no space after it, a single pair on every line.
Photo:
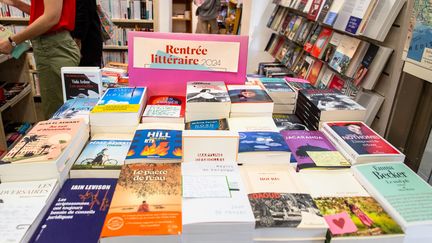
[336,83]
[315,9]
[321,43]
[314,72]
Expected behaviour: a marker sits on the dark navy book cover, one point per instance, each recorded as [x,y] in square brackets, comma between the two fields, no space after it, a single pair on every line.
[78,212]
[262,142]
[219,124]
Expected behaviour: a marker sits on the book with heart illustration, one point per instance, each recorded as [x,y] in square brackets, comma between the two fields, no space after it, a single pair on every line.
[351,213]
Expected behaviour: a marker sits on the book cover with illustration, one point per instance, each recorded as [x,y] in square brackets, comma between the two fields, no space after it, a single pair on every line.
[147,201]
[324,11]
[165,106]
[363,68]
[314,72]
[156,144]
[330,48]
[75,108]
[85,223]
[45,141]
[80,82]
[362,139]
[315,9]
[344,53]
[311,149]
[333,13]
[219,124]
[312,38]
[286,122]
[125,99]
[206,92]
[103,155]
[248,94]
[330,99]
[321,43]
[299,84]
[262,142]
[405,194]
[275,85]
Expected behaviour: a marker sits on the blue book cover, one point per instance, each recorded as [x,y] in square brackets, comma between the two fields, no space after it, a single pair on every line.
[124,96]
[75,108]
[103,154]
[276,85]
[78,212]
[219,124]
[262,142]
[156,144]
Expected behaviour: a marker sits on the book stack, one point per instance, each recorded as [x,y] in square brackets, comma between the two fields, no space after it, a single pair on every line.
[81,82]
[312,150]
[85,223]
[146,206]
[286,122]
[317,106]
[360,144]
[164,108]
[76,108]
[283,208]
[249,101]
[402,193]
[252,124]
[207,101]
[102,157]
[283,96]
[263,148]
[46,152]
[118,106]
[23,206]
[215,206]
[154,144]
[351,213]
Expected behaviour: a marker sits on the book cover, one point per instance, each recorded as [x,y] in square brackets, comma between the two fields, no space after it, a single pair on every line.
[286,122]
[83,222]
[206,92]
[262,142]
[44,142]
[406,195]
[299,84]
[324,11]
[125,99]
[362,70]
[248,94]
[331,47]
[315,9]
[306,67]
[357,16]
[334,12]
[165,106]
[344,53]
[312,39]
[81,83]
[102,155]
[336,83]
[314,72]
[330,99]
[156,144]
[303,144]
[321,42]
[147,201]
[275,85]
[362,139]
[75,108]
[219,124]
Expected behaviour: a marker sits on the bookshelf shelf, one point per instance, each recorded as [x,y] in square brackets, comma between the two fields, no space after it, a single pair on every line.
[14,20]
[132,21]
[16,99]
[115,48]
[180,19]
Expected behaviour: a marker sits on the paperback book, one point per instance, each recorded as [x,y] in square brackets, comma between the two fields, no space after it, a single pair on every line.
[286,122]
[121,100]
[75,108]
[219,124]
[81,82]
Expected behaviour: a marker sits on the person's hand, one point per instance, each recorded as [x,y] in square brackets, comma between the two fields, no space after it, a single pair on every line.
[5,46]
[10,2]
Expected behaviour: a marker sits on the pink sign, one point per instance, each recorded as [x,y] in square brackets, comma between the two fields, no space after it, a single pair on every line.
[154,60]
[340,223]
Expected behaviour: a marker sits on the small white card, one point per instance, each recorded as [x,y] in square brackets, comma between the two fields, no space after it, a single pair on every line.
[163,111]
[206,186]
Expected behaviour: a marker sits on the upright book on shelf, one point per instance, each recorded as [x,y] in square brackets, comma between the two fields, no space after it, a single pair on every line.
[146,206]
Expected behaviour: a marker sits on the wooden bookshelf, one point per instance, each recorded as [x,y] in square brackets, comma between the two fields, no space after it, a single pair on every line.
[115,48]
[14,20]
[181,24]
[180,19]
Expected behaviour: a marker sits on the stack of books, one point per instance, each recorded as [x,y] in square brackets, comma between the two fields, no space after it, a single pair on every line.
[215,206]
[287,122]
[46,152]
[317,106]
[164,108]
[118,106]
[207,101]
[214,124]
[249,101]
[360,144]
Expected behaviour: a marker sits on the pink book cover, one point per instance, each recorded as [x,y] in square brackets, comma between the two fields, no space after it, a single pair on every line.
[172,81]
[45,142]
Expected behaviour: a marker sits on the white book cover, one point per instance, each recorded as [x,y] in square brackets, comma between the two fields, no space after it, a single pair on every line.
[210,146]
[136,9]
[203,91]
[333,12]
[228,203]
[344,15]
[357,16]
[252,124]
[81,82]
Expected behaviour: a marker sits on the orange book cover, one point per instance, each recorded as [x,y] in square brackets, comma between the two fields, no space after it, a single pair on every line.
[146,201]
[314,73]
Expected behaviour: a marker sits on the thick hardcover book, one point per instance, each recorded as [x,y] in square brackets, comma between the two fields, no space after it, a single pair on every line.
[262,142]
[120,100]
[81,83]
[80,223]
[146,202]
[286,122]
[156,144]
[165,106]
[219,124]
[206,92]
[75,108]
[311,149]
[103,155]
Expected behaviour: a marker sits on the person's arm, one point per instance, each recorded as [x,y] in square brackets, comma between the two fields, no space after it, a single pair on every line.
[18,4]
[82,20]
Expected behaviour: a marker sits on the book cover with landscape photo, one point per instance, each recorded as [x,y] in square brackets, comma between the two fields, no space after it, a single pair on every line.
[120,100]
